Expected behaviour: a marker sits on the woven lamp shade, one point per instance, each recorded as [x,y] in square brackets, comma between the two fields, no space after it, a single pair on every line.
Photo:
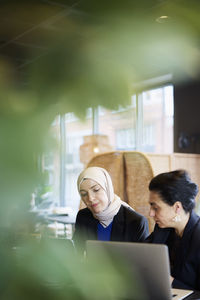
[93,145]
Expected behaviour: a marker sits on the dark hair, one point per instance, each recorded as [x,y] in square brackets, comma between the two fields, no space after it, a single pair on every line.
[175,186]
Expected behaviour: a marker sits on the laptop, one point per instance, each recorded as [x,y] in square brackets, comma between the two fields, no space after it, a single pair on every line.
[147,266]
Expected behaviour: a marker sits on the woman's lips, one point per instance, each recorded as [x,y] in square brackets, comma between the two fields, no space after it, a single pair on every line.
[95,204]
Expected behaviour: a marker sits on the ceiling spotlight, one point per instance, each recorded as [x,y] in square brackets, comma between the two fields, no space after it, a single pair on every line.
[162,19]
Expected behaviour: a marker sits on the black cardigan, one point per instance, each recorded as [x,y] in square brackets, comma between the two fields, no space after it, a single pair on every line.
[186,270]
[128,226]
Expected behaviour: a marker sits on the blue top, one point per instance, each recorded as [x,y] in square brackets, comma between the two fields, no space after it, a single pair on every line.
[103,234]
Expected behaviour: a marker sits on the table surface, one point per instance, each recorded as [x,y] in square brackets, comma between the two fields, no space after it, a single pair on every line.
[193,296]
[62,219]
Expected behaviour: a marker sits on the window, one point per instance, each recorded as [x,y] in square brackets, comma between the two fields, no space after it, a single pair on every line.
[157,120]
[145,125]
[125,139]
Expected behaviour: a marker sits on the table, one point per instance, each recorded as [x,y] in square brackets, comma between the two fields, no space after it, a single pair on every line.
[65,219]
[193,296]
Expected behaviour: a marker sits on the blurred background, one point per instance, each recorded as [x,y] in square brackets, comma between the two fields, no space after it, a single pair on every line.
[77,76]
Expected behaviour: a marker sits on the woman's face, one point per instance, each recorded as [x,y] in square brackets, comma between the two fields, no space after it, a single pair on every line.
[162,213]
[93,195]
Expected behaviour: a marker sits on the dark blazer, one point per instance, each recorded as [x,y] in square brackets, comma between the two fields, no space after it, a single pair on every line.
[128,226]
[186,270]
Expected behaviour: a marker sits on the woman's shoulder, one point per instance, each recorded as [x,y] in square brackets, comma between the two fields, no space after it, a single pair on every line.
[196,229]
[84,213]
[84,217]
[159,235]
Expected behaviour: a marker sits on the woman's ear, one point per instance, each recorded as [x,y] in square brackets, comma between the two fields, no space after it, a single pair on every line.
[178,207]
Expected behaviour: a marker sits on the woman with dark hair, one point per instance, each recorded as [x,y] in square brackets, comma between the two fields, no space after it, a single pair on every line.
[172,202]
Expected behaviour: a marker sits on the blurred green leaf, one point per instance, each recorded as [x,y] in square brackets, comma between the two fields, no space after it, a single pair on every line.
[100,50]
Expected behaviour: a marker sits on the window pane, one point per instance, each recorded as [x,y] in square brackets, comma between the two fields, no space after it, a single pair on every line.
[75,130]
[146,125]
[119,125]
[61,164]
[47,194]
[158,120]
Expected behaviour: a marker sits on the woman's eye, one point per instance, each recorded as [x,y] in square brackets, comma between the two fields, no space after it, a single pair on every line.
[83,195]
[96,190]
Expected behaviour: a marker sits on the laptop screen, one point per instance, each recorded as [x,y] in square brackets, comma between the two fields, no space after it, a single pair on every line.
[146,264]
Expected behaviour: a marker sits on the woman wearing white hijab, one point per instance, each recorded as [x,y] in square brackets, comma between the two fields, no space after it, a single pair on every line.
[106,216]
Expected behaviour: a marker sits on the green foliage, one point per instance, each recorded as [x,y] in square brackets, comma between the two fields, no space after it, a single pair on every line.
[49,269]
[103,48]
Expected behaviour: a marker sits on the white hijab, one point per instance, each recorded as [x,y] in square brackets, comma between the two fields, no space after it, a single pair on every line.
[102,177]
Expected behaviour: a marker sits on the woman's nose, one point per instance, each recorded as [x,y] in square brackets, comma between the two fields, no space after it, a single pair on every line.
[151,213]
[90,197]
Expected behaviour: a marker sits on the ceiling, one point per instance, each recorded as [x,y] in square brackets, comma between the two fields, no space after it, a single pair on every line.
[28,28]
